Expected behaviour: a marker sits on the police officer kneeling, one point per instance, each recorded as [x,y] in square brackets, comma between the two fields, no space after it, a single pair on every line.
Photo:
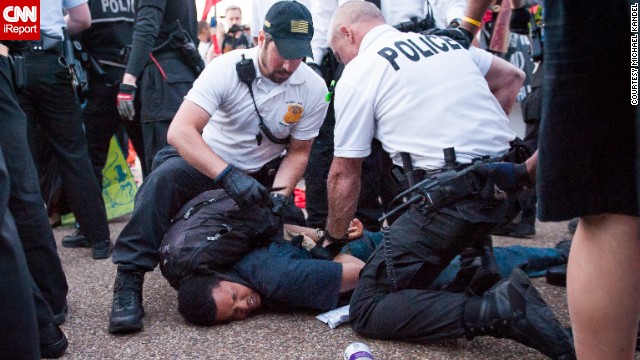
[245,110]
[418,94]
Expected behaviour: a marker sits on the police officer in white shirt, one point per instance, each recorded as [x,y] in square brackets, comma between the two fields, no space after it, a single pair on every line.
[380,189]
[227,134]
[419,94]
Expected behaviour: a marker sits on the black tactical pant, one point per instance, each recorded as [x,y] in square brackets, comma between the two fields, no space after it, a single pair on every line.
[171,184]
[54,114]
[25,200]
[102,121]
[421,247]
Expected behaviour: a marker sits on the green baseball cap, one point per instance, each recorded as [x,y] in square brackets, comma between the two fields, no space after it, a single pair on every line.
[291,26]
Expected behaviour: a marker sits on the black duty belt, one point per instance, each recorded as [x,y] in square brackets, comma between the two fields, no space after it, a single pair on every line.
[46,45]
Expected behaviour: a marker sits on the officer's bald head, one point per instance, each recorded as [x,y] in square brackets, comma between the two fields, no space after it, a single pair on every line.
[349,25]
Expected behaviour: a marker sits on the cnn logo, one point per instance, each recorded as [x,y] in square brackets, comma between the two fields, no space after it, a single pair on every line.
[16,13]
[20,20]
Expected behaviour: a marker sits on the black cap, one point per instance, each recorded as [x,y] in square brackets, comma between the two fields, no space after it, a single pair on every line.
[290,25]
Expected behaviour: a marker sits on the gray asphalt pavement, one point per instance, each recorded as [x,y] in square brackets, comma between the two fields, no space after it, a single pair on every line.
[295,335]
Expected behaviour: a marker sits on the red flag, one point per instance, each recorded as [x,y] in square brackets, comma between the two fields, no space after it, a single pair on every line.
[207,7]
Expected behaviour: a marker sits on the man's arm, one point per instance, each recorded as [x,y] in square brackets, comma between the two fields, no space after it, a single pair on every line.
[145,32]
[475,10]
[343,189]
[293,165]
[78,19]
[185,134]
[504,81]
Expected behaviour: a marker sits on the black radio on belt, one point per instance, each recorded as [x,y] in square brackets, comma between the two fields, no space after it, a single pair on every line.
[247,73]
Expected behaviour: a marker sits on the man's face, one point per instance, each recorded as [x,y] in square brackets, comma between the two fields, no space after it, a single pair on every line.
[234,301]
[234,17]
[273,66]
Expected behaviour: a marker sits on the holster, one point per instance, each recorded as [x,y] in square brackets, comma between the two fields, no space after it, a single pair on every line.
[19,72]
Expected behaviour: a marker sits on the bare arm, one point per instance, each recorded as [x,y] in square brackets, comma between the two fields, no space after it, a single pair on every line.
[504,81]
[343,189]
[78,19]
[185,134]
[475,10]
[292,168]
[532,167]
[351,267]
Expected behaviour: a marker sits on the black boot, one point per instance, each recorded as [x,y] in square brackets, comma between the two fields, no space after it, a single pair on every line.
[101,249]
[127,311]
[53,342]
[75,240]
[513,309]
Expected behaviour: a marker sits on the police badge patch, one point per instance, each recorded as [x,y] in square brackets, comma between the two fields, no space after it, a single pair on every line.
[293,115]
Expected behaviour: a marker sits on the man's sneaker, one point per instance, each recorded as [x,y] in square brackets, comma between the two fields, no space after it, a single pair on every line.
[53,342]
[127,311]
[513,309]
[101,249]
[75,240]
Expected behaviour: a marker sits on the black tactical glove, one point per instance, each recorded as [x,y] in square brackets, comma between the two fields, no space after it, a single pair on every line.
[126,95]
[242,188]
[278,204]
[463,36]
[519,22]
[501,179]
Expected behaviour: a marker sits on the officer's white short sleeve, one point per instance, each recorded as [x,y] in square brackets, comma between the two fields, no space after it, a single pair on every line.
[482,58]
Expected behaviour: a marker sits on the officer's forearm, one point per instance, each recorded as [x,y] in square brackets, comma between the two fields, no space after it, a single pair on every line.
[184,134]
[343,190]
[129,79]
[293,165]
[475,10]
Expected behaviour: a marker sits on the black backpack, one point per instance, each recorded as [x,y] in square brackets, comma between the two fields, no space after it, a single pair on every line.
[211,232]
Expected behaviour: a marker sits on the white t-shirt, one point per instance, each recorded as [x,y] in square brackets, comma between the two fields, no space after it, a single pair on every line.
[433,97]
[296,107]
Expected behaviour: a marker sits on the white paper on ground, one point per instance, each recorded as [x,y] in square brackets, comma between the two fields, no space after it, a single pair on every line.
[335,317]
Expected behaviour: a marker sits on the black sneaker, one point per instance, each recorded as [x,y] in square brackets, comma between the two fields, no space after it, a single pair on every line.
[127,311]
[513,309]
[53,342]
[75,240]
[101,250]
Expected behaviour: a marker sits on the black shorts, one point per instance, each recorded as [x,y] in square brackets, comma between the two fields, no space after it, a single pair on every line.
[587,147]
